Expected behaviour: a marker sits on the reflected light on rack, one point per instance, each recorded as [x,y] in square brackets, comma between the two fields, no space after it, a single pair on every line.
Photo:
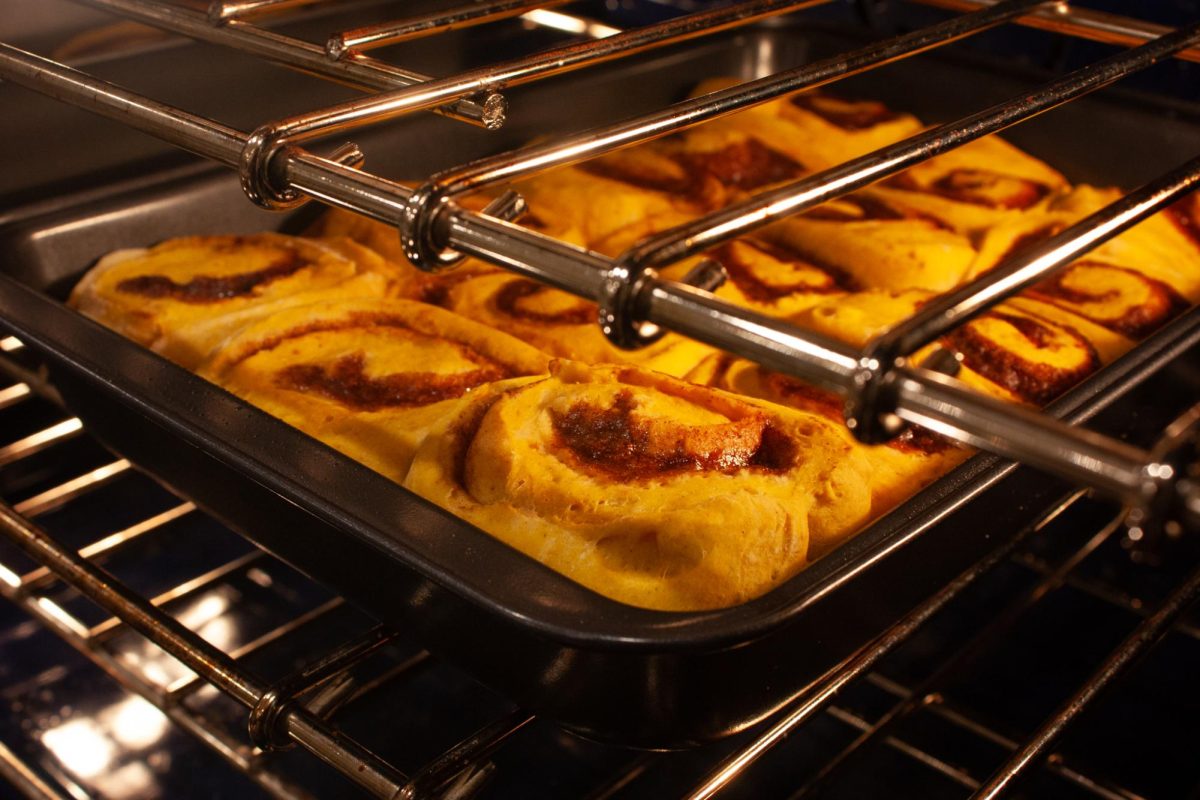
[207,617]
[568,24]
[60,615]
[81,746]
[135,723]
[9,577]
[9,344]
[134,780]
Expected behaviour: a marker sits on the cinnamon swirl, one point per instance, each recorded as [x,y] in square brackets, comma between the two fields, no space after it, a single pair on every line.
[367,377]
[649,490]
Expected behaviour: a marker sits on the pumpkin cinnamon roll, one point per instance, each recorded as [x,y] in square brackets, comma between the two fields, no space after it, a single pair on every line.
[1130,285]
[367,377]
[561,324]
[1031,351]
[876,243]
[184,296]
[640,190]
[649,490]
[898,469]
[768,279]
[975,186]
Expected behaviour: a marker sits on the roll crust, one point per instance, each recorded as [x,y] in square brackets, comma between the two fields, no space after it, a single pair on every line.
[367,377]
[647,489]
[183,297]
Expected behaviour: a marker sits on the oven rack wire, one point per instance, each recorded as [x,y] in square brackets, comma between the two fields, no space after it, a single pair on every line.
[884,391]
[302,706]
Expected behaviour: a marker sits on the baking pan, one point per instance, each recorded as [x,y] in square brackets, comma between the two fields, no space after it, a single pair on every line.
[603,669]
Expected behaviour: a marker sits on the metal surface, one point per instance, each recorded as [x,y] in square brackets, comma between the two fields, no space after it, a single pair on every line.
[194,652]
[597,141]
[1069,19]
[271,137]
[478,13]
[925,398]
[483,759]
[361,72]
[749,215]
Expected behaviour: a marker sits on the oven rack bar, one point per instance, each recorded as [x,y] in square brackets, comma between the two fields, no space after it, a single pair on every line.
[913,395]
[1098,26]
[366,73]
[451,96]
[340,44]
[469,760]
[220,11]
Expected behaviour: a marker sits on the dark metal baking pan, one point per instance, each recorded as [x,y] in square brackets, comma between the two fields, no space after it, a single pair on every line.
[602,668]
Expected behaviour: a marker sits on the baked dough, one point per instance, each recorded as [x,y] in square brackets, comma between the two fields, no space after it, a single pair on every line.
[561,324]
[898,470]
[183,297]
[367,377]
[649,490]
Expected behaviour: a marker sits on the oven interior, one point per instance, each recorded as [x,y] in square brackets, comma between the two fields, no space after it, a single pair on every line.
[938,710]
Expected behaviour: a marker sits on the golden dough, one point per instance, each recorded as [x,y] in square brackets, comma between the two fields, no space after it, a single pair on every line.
[561,324]
[367,377]
[183,297]
[646,489]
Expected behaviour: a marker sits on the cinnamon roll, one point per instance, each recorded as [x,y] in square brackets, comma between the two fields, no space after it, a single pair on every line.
[819,129]
[898,469]
[877,243]
[646,489]
[367,377]
[1130,285]
[561,324]
[975,186]
[184,296]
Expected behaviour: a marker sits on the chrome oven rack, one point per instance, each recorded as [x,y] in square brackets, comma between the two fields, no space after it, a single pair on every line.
[884,391]
[305,705]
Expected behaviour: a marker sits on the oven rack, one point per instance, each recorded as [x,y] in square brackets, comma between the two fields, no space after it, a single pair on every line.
[301,706]
[884,392]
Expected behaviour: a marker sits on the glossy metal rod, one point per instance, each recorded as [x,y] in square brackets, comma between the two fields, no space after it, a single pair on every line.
[510,166]
[1098,26]
[1117,664]
[221,11]
[948,311]
[188,131]
[196,653]
[826,687]
[722,226]
[478,13]
[359,112]
[361,72]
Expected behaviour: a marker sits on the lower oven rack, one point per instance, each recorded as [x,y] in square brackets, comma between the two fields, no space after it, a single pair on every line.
[303,705]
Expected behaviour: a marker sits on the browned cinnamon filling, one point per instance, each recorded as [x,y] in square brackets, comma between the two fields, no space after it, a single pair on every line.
[747,165]
[1039,383]
[751,283]
[984,188]
[863,208]
[346,382]
[684,184]
[1133,316]
[799,394]
[612,442]
[509,301]
[1027,241]
[209,288]
[850,115]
